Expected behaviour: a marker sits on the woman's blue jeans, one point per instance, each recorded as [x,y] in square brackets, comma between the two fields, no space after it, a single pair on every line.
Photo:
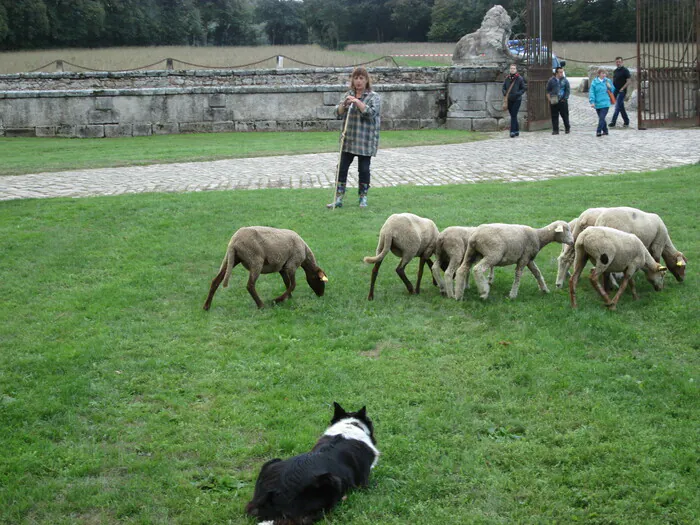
[602,124]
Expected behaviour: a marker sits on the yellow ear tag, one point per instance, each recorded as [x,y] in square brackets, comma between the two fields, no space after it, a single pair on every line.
[324,279]
[559,229]
[680,263]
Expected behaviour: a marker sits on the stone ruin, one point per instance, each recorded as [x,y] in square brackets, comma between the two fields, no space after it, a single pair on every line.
[487,46]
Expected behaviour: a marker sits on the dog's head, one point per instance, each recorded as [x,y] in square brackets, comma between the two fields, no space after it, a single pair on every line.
[340,414]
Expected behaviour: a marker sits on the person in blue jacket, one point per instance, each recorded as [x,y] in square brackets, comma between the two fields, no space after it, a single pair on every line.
[600,100]
[515,97]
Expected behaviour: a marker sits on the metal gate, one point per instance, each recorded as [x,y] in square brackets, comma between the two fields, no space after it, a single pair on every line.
[668,71]
[538,58]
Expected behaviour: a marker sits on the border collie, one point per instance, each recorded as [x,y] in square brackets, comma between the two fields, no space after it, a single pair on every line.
[299,490]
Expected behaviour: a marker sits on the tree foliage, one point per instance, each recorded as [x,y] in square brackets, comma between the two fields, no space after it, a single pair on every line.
[31,24]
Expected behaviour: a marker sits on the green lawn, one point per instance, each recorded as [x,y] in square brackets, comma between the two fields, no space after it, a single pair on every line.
[121,400]
[38,155]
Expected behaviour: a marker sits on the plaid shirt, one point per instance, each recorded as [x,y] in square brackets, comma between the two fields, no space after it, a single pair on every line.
[362,134]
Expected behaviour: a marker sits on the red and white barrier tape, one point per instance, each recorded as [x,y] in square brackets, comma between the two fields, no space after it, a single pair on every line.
[434,55]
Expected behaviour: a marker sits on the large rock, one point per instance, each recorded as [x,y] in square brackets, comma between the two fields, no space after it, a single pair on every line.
[488,44]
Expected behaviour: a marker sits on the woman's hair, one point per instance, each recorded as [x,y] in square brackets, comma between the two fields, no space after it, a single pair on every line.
[360,72]
[601,70]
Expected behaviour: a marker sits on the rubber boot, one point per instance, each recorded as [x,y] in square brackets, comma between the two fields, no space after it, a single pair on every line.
[339,194]
[362,192]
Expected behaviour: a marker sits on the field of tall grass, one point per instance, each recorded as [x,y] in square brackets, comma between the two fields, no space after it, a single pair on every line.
[579,54]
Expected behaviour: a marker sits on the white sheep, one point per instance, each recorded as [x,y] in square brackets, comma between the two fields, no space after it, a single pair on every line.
[566,258]
[268,250]
[449,252]
[612,250]
[506,244]
[407,236]
[653,233]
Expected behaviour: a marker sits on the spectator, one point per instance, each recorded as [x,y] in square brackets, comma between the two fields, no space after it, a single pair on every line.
[558,91]
[515,97]
[621,79]
[600,100]
[361,106]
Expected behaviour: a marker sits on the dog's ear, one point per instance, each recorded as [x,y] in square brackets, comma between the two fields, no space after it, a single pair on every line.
[338,412]
[362,413]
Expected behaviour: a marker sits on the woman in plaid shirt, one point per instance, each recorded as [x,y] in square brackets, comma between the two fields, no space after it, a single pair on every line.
[361,106]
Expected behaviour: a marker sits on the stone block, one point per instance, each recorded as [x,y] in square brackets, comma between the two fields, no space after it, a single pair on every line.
[196,127]
[265,125]
[220,114]
[467,114]
[217,100]
[332,98]
[66,130]
[104,103]
[330,125]
[46,131]
[107,116]
[406,123]
[485,124]
[165,128]
[142,130]
[289,125]
[463,124]
[226,126]
[245,126]
[429,123]
[90,132]
[469,97]
[118,130]
[20,132]
[325,113]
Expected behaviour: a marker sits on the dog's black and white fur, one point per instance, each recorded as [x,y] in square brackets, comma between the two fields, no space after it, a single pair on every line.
[299,490]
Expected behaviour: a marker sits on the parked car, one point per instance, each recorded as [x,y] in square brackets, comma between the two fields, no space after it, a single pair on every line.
[517,49]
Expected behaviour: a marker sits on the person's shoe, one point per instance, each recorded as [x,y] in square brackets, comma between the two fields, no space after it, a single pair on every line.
[555,133]
[512,135]
[339,194]
[567,131]
[598,134]
[611,125]
[362,192]
[605,133]
[626,125]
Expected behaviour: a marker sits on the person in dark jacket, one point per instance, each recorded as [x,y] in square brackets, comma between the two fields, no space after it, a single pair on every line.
[515,97]
[621,79]
[558,91]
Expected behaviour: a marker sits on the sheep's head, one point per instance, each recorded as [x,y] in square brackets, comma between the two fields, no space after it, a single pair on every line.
[562,233]
[656,276]
[676,265]
[317,280]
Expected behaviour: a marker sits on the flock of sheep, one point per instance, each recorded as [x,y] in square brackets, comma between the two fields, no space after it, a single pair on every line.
[619,241]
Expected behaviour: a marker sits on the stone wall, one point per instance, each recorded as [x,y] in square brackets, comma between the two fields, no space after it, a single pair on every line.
[108,104]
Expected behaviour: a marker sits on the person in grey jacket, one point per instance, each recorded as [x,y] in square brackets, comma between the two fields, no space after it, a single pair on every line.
[559,89]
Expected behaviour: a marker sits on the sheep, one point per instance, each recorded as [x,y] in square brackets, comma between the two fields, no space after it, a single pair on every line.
[407,236]
[566,258]
[506,244]
[651,230]
[267,250]
[613,250]
[449,251]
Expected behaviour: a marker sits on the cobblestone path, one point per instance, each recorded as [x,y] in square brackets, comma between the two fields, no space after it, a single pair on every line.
[530,157]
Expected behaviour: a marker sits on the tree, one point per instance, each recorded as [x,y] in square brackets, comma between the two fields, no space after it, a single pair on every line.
[76,22]
[28,24]
[327,22]
[284,21]
[411,19]
[227,22]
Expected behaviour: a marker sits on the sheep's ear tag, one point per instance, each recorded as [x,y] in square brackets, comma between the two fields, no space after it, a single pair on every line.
[680,263]
[323,277]
[559,229]
[662,268]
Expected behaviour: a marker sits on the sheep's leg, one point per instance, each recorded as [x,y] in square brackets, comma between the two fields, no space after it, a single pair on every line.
[607,282]
[633,289]
[493,268]
[420,272]
[375,271]
[594,278]
[437,278]
[252,278]
[290,284]
[482,283]
[430,267]
[214,285]
[401,270]
[573,282]
[612,305]
[538,275]
[516,282]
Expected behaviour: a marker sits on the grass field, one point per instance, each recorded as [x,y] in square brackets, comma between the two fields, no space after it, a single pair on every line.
[22,155]
[121,400]
[114,59]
